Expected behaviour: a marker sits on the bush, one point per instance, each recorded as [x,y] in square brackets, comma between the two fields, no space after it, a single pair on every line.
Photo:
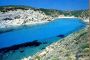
[86,45]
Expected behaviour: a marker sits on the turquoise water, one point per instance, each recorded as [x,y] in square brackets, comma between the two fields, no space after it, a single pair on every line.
[44,32]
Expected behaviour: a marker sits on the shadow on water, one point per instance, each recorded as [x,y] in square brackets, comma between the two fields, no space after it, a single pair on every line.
[62,36]
[34,43]
[36,46]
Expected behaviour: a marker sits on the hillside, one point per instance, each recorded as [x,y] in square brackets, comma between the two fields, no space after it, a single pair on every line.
[13,17]
[51,12]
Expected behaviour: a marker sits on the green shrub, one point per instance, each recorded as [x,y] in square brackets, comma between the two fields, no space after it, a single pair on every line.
[86,45]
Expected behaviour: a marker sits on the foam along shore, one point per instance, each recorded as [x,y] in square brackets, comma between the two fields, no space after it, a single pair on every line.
[67,17]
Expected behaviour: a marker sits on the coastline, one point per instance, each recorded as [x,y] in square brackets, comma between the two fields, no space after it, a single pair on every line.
[62,47]
[32,23]
[31,18]
[11,52]
[53,51]
[19,18]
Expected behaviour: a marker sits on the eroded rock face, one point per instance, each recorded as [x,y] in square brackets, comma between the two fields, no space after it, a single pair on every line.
[16,18]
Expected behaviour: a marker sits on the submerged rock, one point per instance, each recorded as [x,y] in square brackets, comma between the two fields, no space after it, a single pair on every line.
[62,36]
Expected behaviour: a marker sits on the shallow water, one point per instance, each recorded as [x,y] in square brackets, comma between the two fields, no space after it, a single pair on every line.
[52,29]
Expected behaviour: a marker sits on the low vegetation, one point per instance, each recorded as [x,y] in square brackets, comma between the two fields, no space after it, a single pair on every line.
[51,12]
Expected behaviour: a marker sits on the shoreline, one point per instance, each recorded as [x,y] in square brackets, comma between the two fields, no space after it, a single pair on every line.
[47,49]
[14,52]
[16,27]
[71,47]
[19,36]
[50,51]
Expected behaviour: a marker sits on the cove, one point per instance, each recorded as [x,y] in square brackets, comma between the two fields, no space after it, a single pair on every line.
[56,28]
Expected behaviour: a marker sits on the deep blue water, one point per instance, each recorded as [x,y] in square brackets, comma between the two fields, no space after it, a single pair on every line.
[52,29]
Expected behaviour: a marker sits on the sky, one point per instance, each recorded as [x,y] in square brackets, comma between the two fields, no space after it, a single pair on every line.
[50,4]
